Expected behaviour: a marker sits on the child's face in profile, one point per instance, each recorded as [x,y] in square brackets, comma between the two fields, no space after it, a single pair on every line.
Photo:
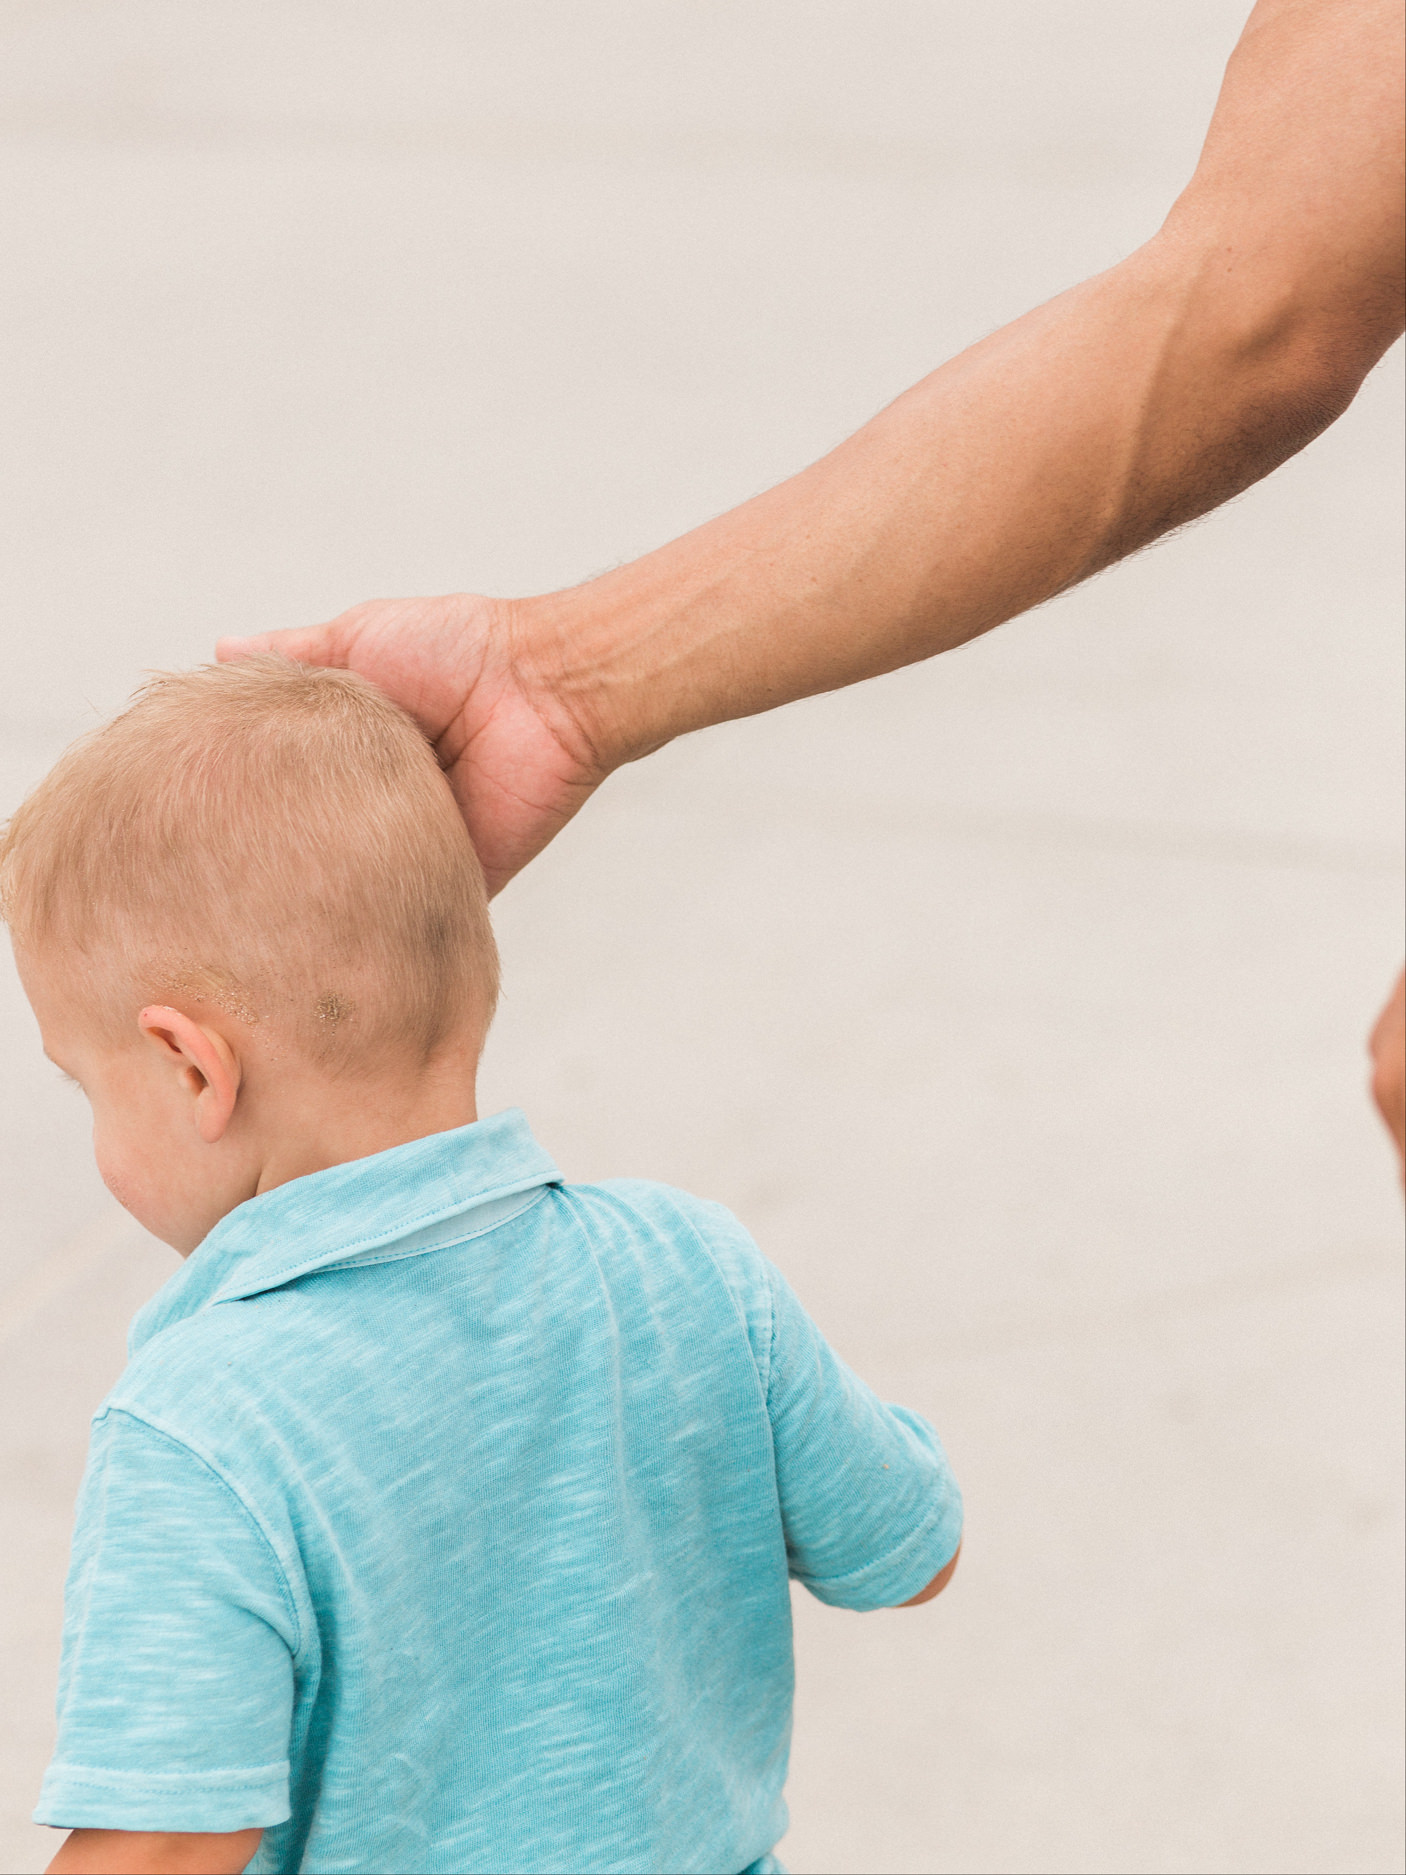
[146,1097]
[197,1108]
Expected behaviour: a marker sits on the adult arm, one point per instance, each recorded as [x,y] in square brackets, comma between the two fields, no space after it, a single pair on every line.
[140,1852]
[1129,405]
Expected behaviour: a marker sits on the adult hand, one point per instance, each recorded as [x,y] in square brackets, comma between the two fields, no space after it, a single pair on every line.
[517,758]
[1388,1050]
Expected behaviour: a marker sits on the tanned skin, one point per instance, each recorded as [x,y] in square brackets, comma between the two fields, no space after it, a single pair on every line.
[1135,402]
[1129,405]
[135,1852]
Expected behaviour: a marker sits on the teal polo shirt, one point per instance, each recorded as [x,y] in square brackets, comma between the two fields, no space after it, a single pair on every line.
[443,1517]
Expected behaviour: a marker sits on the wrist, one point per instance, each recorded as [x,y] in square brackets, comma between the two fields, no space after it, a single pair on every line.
[597,661]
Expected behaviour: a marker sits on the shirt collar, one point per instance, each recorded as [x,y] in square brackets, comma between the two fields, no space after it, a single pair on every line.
[412,1199]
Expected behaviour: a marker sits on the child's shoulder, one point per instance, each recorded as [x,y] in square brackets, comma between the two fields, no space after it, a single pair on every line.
[206,1380]
[666,1216]
[664,1254]
[668,1234]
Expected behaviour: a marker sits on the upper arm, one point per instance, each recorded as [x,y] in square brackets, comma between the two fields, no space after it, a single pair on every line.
[1297,199]
[868,1502]
[176,1681]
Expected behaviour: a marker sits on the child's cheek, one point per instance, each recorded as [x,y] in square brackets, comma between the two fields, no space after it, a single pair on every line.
[113,1173]
[121,1175]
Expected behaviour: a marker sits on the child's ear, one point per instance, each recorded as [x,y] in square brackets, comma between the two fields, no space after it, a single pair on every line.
[203,1062]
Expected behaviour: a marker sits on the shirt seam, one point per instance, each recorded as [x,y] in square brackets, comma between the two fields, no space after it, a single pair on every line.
[707,1249]
[764,1380]
[97,1777]
[771,1342]
[232,1490]
[702,1242]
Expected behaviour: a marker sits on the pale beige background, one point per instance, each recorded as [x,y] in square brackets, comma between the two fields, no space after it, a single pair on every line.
[1016,1003]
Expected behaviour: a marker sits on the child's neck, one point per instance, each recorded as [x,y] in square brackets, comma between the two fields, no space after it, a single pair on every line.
[301,1121]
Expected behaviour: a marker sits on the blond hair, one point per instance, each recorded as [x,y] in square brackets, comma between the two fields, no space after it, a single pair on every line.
[274,840]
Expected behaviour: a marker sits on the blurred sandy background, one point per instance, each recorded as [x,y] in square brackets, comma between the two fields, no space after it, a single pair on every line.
[1016,1003]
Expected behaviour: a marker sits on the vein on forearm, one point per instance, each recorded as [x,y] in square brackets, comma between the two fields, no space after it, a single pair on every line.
[1081,433]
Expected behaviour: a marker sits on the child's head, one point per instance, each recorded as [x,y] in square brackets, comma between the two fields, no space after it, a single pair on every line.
[266,864]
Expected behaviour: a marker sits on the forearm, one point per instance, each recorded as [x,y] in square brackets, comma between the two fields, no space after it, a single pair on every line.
[139,1852]
[1009,474]
[1131,404]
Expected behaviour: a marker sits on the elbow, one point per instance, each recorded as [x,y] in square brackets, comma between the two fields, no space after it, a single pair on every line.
[1307,379]
[938,1583]
[1244,372]
[1281,295]
[1279,371]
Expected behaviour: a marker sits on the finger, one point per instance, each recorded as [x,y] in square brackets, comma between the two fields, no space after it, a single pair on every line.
[313,644]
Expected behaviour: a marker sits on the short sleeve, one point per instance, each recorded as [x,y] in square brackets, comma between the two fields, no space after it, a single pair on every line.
[176,1684]
[869,1505]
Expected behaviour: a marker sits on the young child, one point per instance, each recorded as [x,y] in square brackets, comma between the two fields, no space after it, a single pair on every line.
[443,1517]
